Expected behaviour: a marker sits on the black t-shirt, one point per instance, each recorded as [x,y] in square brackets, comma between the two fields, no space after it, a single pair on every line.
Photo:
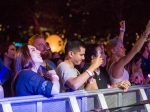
[145,66]
[102,79]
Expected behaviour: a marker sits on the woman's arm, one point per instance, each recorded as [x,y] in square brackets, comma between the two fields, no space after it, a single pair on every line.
[147,79]
[123,84]
[51,74]
[91,84]
[122,30]
[136,48]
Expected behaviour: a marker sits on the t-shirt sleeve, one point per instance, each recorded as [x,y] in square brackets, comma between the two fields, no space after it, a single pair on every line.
[65,72]
[40,86]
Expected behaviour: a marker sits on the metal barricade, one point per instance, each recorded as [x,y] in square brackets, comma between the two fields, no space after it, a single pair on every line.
[80,101]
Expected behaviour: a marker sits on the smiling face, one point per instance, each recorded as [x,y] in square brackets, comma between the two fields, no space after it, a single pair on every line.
[40,44]
[35,55]
[77,56]
[138,63]
[119,50]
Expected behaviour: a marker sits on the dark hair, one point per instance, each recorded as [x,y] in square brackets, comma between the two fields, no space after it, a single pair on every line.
[135,59]
[90,50]
[74,45]
[143,47]
[23,59]
[4,48]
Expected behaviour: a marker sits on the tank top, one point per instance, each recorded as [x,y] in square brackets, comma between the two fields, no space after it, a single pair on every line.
[125,75]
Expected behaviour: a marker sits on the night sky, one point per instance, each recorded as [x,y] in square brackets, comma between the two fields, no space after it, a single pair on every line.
[89,20]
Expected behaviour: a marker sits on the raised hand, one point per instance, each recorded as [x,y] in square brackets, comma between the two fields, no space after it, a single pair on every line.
[147,30]
[97,61]
[122,25]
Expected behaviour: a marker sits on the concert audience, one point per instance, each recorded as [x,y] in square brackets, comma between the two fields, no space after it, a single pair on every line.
[70,78]
[100,74]
[135,71]
[118,59]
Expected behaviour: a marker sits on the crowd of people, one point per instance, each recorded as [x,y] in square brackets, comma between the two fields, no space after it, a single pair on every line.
[34,69]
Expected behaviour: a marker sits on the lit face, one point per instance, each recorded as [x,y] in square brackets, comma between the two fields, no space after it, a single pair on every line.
[77,57]
[35,55]
[138,63]
[120,50]
[40,44]
[11,52]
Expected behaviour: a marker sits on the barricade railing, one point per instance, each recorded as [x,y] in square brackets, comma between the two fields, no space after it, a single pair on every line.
[81,101]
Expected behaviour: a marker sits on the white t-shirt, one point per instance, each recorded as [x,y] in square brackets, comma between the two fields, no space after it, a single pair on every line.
[64,71]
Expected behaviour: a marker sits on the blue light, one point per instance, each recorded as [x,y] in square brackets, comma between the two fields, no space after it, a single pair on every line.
[17,44]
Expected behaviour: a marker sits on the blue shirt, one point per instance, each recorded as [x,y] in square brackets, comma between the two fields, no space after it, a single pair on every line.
[145,66]
[31,83]
[5,73]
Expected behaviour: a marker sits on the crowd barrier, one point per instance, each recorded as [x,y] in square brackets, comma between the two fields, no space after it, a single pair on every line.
[81,101]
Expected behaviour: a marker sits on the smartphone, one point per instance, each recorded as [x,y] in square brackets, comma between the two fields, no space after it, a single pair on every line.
[98,52]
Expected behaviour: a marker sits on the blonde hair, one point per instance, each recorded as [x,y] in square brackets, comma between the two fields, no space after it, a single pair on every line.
[31,40]
[111,44]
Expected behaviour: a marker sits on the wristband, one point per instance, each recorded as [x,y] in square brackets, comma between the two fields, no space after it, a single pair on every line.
[55,76]
[89,73]
[89,82]
[122,30]
[109,86]
[145,35]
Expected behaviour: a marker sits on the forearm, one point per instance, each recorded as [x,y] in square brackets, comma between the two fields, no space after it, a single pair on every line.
[88,87]
[116,85]
[92,85]
[136,48]
[121,35]
[56,86]
[77,82]
[122,30]
[82,78]
[146,81]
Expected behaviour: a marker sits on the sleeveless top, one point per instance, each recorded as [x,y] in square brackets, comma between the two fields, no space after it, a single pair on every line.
[125,75]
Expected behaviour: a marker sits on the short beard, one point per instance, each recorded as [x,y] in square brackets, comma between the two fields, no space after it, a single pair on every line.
[45,54]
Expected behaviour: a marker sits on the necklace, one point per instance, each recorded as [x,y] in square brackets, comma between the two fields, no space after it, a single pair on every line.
[98,74]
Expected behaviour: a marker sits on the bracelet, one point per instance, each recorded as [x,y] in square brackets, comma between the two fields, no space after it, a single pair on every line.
[89,82]
[89,73]
[145,35]
[55,76]
[109,86]
[122,30]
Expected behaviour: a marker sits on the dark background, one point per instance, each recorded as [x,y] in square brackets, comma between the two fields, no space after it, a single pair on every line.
[90,20]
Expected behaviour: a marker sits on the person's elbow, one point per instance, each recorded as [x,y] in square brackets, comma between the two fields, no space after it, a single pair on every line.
[72,84]
[74,87]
